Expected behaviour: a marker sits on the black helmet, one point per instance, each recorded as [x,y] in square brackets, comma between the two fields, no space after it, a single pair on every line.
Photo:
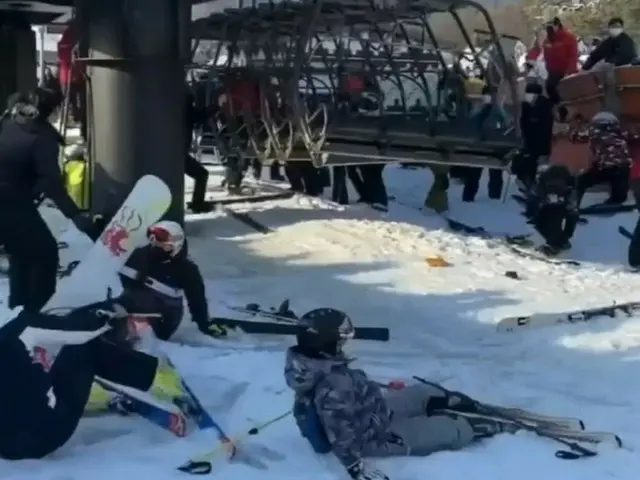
[323,332]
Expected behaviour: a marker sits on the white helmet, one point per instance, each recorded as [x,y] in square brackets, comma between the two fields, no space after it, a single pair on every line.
[166,235]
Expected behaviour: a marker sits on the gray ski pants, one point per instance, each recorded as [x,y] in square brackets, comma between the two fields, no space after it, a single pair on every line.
[418,434]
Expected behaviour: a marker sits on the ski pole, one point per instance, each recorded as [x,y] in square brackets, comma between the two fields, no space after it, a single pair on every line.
[201,464]
[576,450]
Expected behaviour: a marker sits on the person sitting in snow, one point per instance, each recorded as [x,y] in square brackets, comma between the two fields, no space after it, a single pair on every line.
[339,409]
[156,277]
[552,207]
[44,396]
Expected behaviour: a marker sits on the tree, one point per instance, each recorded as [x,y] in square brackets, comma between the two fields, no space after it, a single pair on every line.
[585,19]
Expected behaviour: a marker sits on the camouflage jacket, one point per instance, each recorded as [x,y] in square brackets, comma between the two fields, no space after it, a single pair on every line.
[609,145]
[351,408]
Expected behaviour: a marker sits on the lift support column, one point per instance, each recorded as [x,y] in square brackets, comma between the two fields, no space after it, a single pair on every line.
[136,53]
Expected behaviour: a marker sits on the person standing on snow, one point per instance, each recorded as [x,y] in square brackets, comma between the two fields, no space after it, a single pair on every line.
[560,50]
[536,125]
[339,409]
[29,168]
[43,399]
[158,275]
[192,167]
[72,76]
[617,49]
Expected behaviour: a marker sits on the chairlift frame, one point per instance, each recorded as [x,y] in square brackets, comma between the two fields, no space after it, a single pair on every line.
[306,113]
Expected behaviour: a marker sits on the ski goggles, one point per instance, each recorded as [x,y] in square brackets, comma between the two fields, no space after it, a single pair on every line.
[160,237]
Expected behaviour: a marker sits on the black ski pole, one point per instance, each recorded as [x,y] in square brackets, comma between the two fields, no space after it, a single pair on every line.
[576,451]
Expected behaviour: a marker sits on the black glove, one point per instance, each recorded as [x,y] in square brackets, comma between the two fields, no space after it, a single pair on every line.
[359,471]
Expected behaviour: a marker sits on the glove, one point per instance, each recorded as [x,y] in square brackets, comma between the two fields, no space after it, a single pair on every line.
[359,471]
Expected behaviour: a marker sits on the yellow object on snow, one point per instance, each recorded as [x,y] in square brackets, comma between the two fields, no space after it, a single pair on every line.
[437,262]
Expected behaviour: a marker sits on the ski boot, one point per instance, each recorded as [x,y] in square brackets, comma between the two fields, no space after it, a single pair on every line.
[167,384]
[485,427]
[99,399]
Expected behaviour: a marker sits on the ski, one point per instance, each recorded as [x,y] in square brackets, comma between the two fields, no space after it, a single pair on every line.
[607,210]
[526,416]
[537,320]
[518,244]
[481,232]
[193,408]
[286,323]
[377,334]
[166,416]
[596,438]
[528,252]
[625,233]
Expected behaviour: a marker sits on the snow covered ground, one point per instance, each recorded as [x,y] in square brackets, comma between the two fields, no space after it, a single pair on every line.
[442,323]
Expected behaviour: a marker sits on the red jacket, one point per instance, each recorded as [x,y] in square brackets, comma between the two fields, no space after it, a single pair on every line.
[243,97]
[561,55]
[533,54]
[66,66]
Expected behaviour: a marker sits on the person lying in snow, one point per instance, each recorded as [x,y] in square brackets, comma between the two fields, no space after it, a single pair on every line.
[339,409]
[44,397]
[552,207]
[156,277]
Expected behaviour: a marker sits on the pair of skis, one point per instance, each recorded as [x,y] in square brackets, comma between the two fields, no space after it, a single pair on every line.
[520,245]
[567,431]
[283,322]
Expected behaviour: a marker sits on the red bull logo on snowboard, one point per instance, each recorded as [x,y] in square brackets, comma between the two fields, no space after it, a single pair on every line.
[118,231]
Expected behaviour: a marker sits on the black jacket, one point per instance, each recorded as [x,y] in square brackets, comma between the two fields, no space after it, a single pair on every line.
[620,50]
[536,124]
[29,163]
[155,283]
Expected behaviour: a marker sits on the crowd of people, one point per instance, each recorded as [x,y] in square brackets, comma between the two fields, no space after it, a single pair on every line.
[554,194]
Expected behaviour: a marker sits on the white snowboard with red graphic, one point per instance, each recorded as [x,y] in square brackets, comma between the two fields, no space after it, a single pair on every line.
[98,270]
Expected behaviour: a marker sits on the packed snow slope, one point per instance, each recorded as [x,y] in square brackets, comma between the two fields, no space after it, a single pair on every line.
[442,322]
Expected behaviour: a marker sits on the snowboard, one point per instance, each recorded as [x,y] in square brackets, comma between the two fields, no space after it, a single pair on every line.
[147,202]
[539,320]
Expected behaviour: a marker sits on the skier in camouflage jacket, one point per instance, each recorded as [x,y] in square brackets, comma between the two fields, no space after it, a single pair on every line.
[611,156]
[340,410]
